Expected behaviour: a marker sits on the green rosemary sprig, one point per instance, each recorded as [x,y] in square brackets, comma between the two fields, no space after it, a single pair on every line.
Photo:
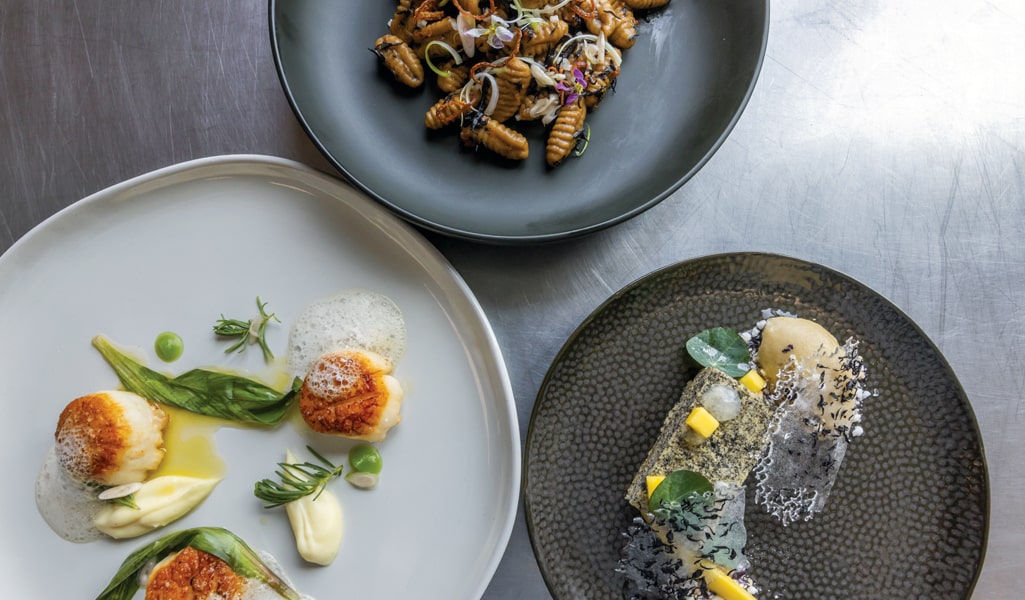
[253,330]
[297,480]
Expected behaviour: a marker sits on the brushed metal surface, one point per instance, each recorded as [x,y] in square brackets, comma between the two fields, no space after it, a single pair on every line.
[884,140]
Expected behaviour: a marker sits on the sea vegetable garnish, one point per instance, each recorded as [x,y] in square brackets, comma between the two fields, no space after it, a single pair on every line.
[252,331]
[679,486]
[722,349]
[297,480]
[210,393]
[213,540]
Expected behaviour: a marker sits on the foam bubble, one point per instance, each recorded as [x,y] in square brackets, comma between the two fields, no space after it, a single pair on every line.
[331,379]
[67,506]
[357,319]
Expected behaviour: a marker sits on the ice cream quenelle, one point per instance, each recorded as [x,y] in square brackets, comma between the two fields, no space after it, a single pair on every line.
[817,388]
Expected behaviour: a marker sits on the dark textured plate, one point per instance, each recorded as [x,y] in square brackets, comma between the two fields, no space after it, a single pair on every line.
[682,88]
[908,517]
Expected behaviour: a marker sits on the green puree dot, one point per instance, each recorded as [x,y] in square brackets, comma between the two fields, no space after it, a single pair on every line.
[364,458]
[169,346]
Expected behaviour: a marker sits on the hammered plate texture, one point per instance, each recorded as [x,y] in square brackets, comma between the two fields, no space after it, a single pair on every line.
[908,516]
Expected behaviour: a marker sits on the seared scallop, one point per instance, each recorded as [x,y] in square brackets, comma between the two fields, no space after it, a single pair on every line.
[194,575]
[352,394]
[110,437]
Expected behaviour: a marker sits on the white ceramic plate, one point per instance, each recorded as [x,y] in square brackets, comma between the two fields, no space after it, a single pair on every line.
[174,249]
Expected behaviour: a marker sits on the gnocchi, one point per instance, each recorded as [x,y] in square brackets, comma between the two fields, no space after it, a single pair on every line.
[499,62]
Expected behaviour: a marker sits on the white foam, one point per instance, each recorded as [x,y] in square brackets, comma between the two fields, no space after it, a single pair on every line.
[334,378]
[67,506]
[356,319]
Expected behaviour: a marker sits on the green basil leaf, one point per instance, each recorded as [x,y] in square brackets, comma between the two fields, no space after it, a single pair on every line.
[722,349]
[678,486]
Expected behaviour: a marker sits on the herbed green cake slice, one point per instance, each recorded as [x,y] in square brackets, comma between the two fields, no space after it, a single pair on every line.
[727,455]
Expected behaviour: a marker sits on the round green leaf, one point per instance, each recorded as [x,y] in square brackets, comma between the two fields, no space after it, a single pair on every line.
[678,486]
[722,349]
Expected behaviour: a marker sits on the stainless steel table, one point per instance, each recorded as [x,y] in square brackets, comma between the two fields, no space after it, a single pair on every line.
[885,140]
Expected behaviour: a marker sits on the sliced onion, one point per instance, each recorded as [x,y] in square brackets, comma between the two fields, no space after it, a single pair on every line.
[119,491]
[617,58]
[541,74]
[427,55]
[546,108]
[464,23]
[552,9]
[464,92]
[587,140]
[580,37]
[493,97]
[362,479]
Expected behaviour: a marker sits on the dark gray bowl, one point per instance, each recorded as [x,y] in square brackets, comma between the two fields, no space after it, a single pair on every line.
[908,516]
[682,88]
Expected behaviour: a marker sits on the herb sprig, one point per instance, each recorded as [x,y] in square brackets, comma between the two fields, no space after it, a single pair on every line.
[297,481]
[251,331]
[128,501]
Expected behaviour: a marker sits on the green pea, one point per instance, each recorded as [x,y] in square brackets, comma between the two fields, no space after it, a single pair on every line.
[365,459]
[169,346]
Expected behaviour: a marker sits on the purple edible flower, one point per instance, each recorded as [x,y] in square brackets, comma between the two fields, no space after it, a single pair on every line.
[578,87]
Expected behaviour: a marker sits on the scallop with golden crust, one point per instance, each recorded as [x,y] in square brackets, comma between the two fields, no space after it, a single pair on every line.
[110,437]
[192,574]
[352,394]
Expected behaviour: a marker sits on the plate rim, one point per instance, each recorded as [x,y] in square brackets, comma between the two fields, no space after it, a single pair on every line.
[491,238]
[434,264]
[655,273]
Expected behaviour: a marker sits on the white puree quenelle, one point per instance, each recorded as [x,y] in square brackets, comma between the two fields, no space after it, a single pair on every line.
[160,501]
[355,319]
[74,512]
[317,524]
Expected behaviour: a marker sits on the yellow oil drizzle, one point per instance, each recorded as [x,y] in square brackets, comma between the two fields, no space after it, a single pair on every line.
[189,446]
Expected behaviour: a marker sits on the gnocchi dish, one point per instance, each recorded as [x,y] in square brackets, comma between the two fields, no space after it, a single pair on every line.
[497,63]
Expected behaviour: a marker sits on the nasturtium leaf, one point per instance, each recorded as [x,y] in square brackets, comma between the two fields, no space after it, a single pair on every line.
[678,486]
[722,349]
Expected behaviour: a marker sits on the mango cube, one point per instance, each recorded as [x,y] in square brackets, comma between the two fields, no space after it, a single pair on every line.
[702,422]
[753,381]
[720,583]
[653,481]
